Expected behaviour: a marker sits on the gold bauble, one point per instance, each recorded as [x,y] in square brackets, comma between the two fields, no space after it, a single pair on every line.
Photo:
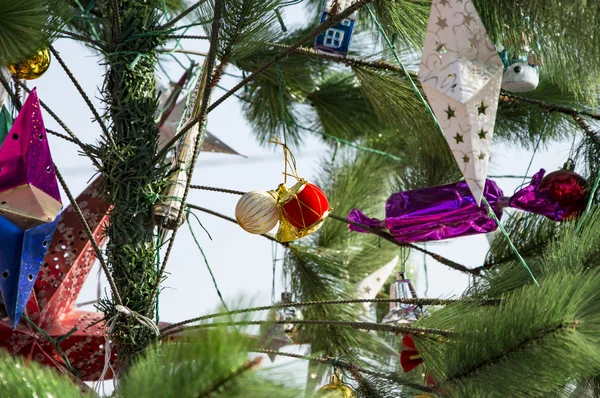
[335,389]
[257,212]
[32,68]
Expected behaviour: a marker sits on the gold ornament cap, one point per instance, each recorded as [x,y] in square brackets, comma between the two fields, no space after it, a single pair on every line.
[33,67]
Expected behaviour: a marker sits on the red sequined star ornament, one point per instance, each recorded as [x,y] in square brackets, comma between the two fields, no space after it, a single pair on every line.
[79,336]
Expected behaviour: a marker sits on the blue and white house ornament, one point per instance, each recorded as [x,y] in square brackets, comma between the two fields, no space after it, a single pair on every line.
[521,74]
[336,40]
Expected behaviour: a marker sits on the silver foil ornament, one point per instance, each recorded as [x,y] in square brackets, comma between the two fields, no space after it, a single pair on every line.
[401,313]
[277,335]
[287,314]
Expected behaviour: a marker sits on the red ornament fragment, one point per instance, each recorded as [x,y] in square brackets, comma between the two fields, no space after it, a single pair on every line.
[568,189]
[306,206]
[409,357]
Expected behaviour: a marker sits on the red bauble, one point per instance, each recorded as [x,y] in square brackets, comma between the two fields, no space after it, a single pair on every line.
[568,189]
[305,207]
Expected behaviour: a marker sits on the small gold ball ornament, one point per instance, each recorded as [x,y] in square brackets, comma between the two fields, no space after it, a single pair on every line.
[33,67]
[335,389]
[257,212]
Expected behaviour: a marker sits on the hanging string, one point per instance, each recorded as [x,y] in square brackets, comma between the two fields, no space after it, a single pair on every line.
[288,159]
[158,245]
[281,83]
[406,73]
[216,285]
[441,130]
[274,259]
[110,324]
[425,270]
[492,215]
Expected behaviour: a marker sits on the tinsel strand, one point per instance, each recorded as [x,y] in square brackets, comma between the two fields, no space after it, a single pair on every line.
[379,327]
[415,301]
[183,14]
[90,236]
[210,63]
[82,93]
[85,148]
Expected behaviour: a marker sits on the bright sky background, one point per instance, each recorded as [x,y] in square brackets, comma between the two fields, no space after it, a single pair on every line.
[242,263]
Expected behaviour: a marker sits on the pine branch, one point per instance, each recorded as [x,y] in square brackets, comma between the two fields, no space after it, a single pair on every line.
[508,97]
[321,28]
[348,61]
[182,15]
[350,367]
[506,354]
[97,45]
[390,238]
[239,371]
[187,37]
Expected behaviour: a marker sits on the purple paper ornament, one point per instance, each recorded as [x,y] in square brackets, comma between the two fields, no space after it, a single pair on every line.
[435,213]
[29,193]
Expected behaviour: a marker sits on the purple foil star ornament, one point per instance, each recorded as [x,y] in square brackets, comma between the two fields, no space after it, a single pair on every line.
[29,206]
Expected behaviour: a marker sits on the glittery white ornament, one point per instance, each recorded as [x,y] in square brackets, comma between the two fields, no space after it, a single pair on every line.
[461,74]
[257,212]
[520,77]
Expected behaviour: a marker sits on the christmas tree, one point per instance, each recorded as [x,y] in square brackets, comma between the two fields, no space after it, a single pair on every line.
[410,97]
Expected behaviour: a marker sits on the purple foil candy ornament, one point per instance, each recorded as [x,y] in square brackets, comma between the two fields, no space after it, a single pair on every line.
[29,193]
[540,198]
[435,213]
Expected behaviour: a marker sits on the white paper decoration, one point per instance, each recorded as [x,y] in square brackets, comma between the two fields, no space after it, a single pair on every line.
[461,74]
[372,284]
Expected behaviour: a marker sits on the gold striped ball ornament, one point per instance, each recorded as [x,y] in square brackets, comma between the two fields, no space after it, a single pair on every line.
[33,67]
[257,212]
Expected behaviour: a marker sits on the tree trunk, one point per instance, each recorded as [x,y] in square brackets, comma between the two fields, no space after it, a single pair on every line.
[129,166]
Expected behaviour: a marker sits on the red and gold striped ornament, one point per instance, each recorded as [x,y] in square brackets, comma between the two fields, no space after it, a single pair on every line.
[304,207]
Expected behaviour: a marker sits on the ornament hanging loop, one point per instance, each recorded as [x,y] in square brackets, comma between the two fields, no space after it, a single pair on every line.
[569,165]
[288,159]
